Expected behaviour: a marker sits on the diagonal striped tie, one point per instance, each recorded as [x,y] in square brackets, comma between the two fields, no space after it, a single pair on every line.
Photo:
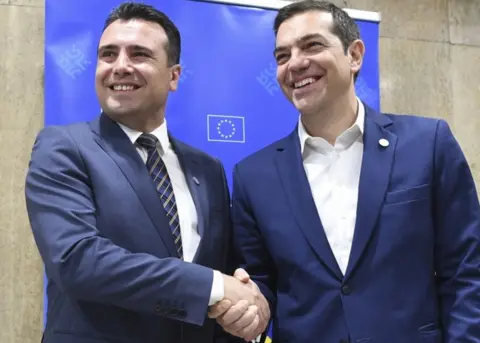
[158,172]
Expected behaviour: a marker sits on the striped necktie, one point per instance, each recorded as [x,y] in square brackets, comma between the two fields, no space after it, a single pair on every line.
[158,172]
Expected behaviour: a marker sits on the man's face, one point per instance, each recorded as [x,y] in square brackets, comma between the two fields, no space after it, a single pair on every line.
[312,67]
[133,76]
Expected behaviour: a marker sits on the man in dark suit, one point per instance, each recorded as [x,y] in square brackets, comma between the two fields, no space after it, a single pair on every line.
[359,226]
[133,225]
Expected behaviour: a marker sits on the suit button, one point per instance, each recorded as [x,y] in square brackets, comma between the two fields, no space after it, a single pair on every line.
[346,290]
[158,308]
[182,313]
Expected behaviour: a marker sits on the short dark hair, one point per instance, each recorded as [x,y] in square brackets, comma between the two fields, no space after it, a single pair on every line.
[344,27]
[130,10]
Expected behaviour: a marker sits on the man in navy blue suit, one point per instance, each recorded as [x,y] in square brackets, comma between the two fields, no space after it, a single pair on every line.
[133,225]
[359,226]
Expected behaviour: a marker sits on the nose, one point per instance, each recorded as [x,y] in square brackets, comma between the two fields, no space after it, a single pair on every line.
[298,62]
[122,65]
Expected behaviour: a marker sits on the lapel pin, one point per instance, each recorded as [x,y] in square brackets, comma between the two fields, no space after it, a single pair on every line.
[196,180]
[383,142]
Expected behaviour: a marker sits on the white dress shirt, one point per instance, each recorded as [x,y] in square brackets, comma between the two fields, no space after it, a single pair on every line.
[333,173]
[187,212]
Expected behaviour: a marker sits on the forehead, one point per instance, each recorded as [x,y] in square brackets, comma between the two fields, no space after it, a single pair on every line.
[300,25]
[134,32]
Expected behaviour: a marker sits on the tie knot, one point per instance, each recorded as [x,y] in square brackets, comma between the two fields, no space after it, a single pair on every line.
[148,141]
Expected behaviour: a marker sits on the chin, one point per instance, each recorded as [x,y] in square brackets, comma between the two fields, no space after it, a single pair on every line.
[305,106]
[118,111]
[120,106]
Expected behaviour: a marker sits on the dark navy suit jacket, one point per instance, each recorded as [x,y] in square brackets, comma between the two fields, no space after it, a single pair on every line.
[104,238]
[414,269]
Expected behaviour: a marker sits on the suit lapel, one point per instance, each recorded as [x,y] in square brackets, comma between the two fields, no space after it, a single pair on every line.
[197,184]
[374,179]
[297,190]
[116,144]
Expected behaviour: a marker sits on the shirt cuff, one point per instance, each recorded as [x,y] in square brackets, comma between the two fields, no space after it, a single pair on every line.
[217,292]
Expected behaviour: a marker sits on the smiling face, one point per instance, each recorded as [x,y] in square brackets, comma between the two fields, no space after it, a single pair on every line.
[132,76]
[313,69]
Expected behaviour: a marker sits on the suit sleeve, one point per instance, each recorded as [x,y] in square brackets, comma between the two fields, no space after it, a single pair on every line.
[228,257]
[221,336]
[89,267]
[250,248]
[457,247]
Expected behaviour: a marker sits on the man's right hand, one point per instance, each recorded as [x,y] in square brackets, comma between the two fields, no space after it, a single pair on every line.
[236,290]
[236,313]
[237,293]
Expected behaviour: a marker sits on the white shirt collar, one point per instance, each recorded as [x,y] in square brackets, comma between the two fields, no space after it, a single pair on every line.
[356,129]
[160,132]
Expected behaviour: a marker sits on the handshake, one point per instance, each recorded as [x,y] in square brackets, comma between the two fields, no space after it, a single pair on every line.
[244,312]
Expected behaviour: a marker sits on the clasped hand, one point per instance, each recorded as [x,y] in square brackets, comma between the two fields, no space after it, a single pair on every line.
[244,312]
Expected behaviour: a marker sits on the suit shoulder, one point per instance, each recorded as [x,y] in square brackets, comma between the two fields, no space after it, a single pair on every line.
[53,131]
[415,124]
[265,154]
[55,149]
[411,119]
[55,144]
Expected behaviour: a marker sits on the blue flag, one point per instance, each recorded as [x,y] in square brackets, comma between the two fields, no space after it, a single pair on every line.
[223,128]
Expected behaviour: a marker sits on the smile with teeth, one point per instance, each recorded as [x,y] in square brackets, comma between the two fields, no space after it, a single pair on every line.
[124,88]
[304,82]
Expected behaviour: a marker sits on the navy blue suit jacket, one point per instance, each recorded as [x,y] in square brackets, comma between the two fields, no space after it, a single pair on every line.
[108,251]
[414,269]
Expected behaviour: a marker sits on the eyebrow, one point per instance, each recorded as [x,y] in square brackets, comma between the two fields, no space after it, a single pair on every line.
[132,47]
[300,40]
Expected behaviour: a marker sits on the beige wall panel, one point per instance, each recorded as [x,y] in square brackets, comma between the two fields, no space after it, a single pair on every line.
[21,117]
[465,22]
[410,82]
[466,103]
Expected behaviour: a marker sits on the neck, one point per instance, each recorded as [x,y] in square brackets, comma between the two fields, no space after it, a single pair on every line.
[332,120]
[141,122]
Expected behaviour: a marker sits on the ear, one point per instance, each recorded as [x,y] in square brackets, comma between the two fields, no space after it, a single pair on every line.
[175,71]
[356,51]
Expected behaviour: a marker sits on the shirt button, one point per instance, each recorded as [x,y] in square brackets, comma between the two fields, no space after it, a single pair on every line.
[346,290]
